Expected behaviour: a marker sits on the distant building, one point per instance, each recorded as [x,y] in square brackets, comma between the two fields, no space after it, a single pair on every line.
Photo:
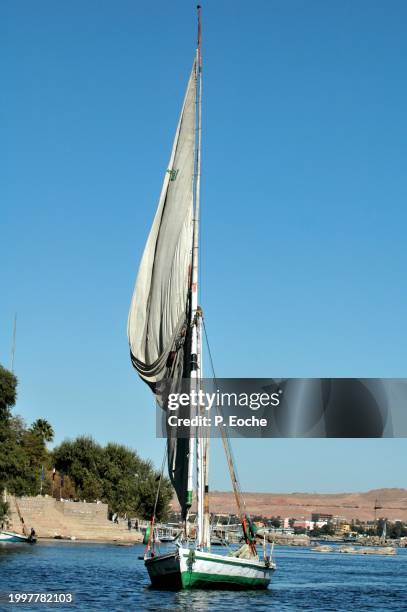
[302,524]
[282,530]
[320,516]
[368,525]
[339,520]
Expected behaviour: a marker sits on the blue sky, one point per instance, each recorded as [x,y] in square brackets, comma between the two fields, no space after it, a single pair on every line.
[303,195]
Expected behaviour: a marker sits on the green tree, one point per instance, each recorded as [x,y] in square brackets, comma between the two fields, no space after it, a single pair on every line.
[22,450]
[328,529]
[4,507]
[42,428]
[8,393]
[397,530]
[21,458]
[115,474]
[81,460]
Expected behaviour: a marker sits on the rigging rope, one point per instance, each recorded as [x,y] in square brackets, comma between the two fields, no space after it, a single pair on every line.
[248,529]
[151,534]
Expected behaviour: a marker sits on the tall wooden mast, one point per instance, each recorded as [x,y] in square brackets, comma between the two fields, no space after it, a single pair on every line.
[196,322]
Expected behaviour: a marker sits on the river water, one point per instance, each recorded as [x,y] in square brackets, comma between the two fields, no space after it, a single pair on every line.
[110,577]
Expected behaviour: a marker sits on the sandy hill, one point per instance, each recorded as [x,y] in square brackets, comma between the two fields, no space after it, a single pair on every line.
[391,503]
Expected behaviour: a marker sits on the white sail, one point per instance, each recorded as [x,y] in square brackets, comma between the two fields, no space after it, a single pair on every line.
[158,311]
[159,316]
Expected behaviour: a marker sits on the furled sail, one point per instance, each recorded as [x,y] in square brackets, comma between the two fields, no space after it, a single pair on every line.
[158,325]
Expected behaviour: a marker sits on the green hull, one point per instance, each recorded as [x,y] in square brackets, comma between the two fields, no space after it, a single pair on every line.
[201,580]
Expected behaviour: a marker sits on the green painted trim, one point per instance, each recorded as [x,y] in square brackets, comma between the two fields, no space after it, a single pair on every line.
[199,579]
[173,173]
[227,561]
[146,538]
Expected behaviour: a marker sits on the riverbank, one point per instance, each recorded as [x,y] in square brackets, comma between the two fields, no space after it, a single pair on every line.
[98,541]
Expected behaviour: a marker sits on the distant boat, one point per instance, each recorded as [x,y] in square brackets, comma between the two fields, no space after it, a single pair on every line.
[218,541]
[384,532]
[166,534]
[167,538]
[368,550]
[165,332]
[12,536]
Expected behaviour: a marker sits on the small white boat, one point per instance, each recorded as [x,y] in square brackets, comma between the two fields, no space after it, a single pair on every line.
[167,538]
[12,536]
[166,534]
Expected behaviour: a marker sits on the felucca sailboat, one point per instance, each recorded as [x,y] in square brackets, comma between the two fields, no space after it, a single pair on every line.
[164,331]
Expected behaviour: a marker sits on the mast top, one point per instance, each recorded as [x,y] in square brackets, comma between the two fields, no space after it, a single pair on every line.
[198,8]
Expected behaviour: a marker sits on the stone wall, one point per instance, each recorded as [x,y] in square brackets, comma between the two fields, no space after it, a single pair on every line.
[65,519]
[90,510]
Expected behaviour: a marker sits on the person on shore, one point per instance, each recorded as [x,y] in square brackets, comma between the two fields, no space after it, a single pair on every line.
[129,524]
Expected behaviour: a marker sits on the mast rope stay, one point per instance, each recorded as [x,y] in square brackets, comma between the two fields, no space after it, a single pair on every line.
[150,534]
[247,525]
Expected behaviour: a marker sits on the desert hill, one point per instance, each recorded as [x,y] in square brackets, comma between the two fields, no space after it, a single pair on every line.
[390,503]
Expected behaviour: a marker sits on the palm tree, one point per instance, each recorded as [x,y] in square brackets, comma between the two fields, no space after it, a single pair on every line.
[44,429]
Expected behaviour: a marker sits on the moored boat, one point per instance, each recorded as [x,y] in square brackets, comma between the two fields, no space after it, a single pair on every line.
[167,538]
[368,550]
[12,536]
[7,535]
[189,568]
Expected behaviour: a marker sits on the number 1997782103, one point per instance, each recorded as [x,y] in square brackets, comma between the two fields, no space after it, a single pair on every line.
[33,598]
